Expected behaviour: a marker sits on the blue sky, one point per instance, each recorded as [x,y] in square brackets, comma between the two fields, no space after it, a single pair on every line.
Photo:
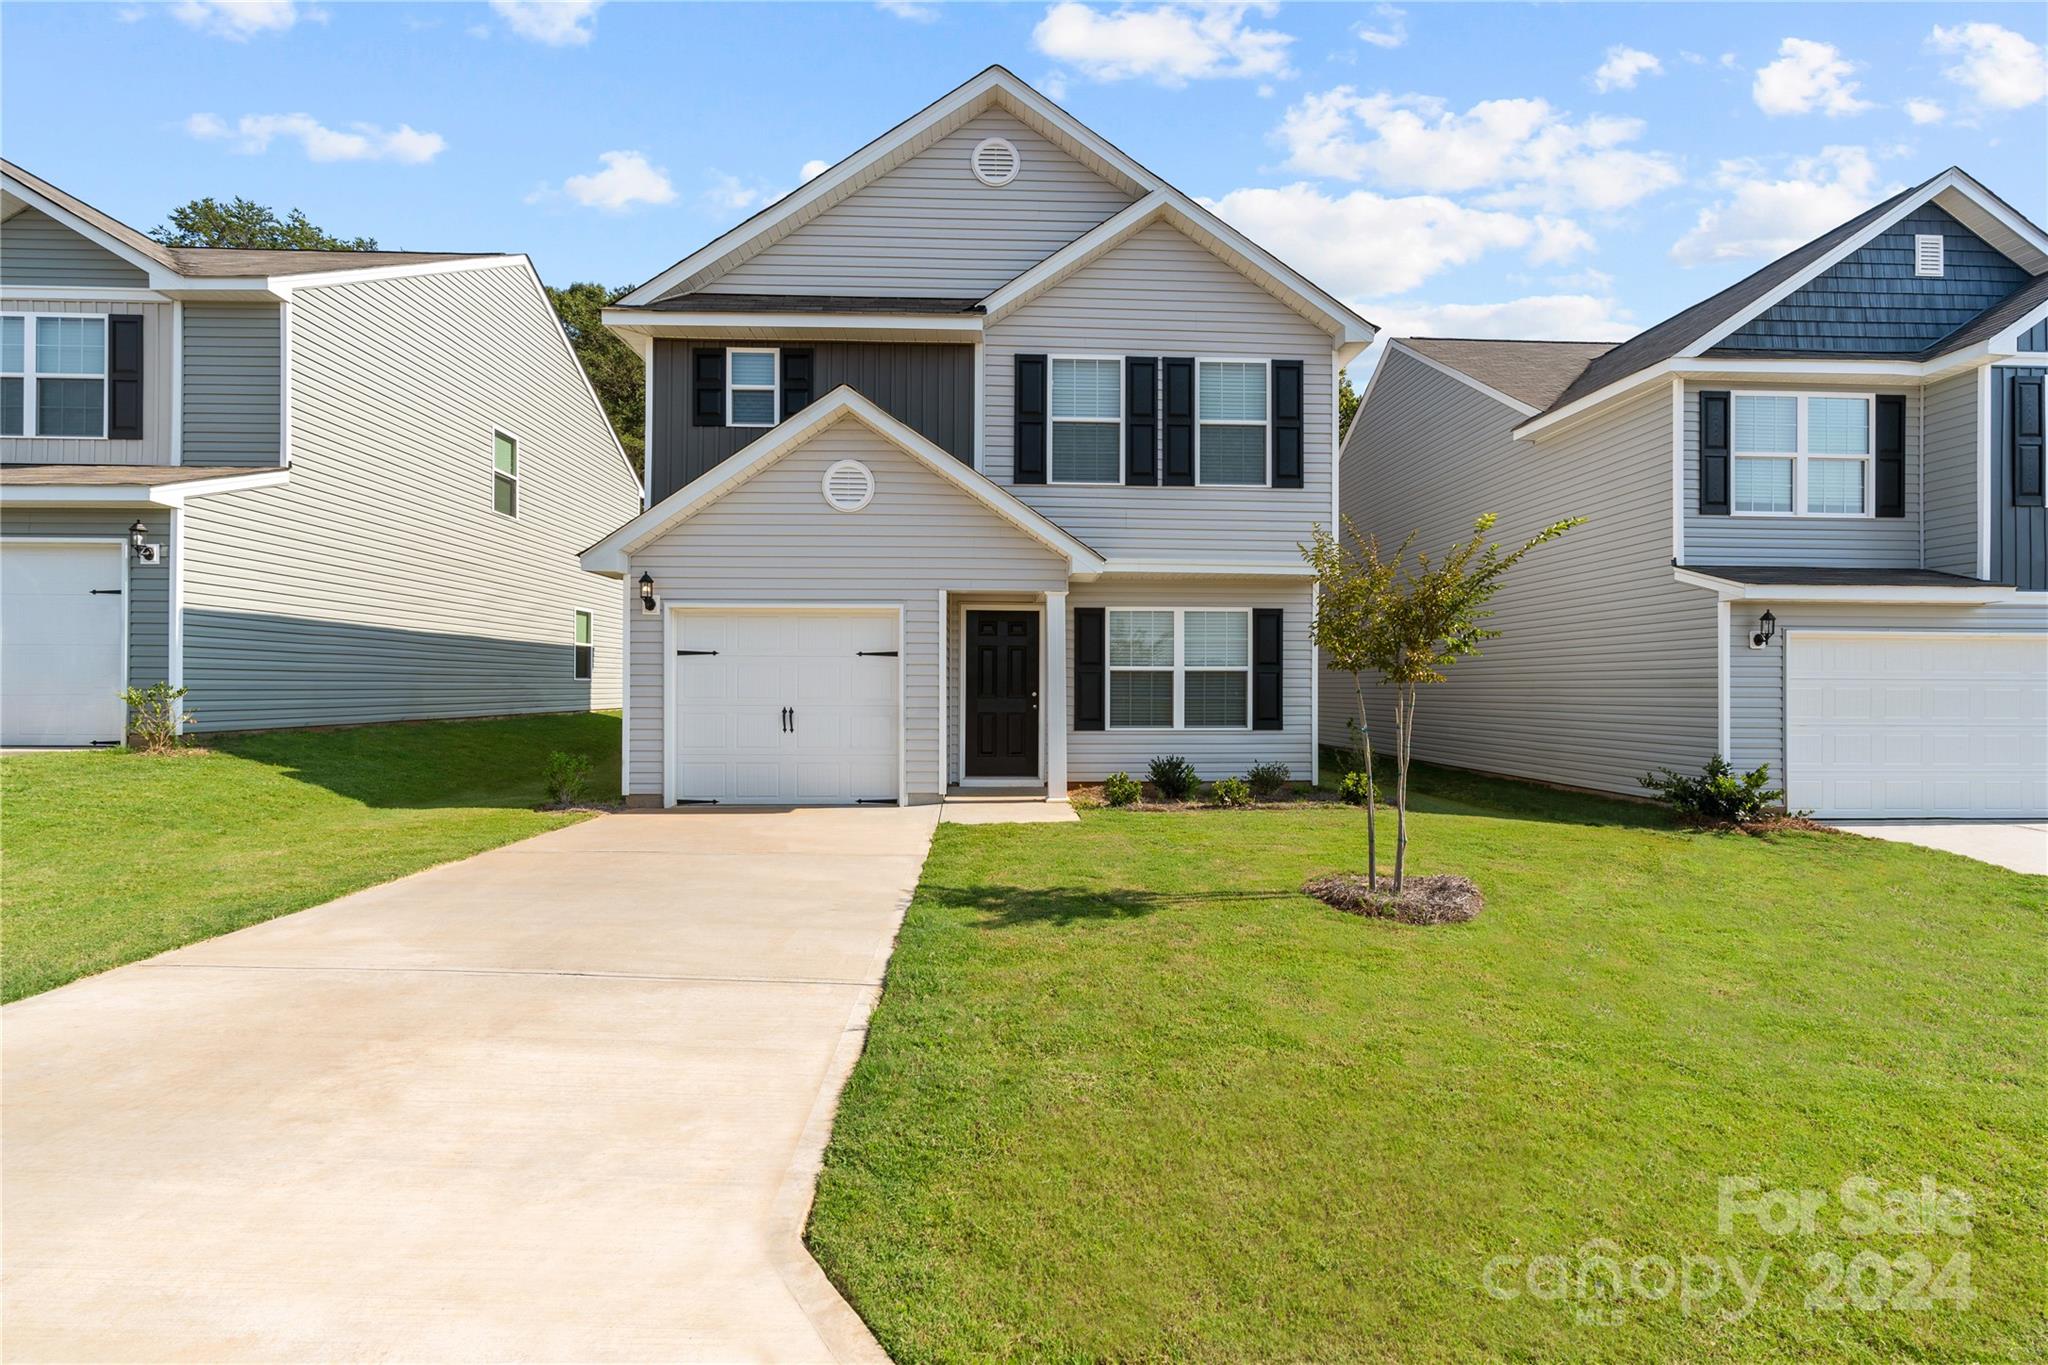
[1535,170]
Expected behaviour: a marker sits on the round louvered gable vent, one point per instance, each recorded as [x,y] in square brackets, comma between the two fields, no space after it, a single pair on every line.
[995,161]
[849,486]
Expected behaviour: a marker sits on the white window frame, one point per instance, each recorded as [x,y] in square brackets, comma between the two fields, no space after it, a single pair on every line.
[1180,669]
[582,623]
[29,376]
[773,387]
[497,474]
[1801,457]
[1122,409]
[1266,423]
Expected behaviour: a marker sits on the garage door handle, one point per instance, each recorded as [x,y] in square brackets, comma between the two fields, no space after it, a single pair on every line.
[785,720]
[106,592]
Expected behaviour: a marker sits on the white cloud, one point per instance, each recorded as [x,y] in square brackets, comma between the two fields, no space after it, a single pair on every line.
[1169,44]
[813,169]
[1765,214]
[2001,69]
[1362,244]
[1623,67]
[1925,111]
[1539,317]
[253,133]
[557,23]
[628,178]
[242,20]
[915,12]
[1391,32]
[1524,151]
[728,194]
[1808,76]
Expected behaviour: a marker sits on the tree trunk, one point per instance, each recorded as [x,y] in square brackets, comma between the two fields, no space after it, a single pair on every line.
[1372,860]
[1404,724]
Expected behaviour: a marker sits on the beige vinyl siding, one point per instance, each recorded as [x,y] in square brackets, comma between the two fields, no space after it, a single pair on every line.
[1949,477]
[1605,665]
[1836,542]
[775,540]
[155,445]
[1161,294]
[36,249]
[233,362]
[1756,677]
[929,228]
[149,585]
[379,584]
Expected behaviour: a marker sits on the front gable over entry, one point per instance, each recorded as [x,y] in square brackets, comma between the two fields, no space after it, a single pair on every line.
[36,249]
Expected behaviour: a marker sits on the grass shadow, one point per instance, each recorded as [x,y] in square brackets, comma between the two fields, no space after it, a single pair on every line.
[1458,791]
[1002,907]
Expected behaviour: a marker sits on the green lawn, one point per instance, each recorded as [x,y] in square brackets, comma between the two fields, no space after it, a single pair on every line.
[1129,1095]
[108,856]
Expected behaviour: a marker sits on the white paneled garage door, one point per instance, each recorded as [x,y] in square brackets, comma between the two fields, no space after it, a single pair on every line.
[780,707]
[1896,725]
[63,642]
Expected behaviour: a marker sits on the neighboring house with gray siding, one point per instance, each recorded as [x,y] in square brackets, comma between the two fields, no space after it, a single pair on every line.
[1815,532]
[311,449]
[982,459]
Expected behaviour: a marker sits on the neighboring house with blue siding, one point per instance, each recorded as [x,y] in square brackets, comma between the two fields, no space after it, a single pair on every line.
[359,482]
[1816,535]
[981,459]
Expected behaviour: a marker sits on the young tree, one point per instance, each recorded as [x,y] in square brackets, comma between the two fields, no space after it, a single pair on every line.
[1425,617]
[615,372]
[1351,606]
[245,223]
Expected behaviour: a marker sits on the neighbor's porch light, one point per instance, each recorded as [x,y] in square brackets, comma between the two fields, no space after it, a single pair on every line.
[647,592]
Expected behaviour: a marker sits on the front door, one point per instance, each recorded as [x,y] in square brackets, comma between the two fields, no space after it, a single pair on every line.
[1002,694]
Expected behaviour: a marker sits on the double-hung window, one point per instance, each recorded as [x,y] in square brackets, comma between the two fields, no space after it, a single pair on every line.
[1179,668]
[505,474]
[53,375]
[1087,419]
[583,647]
[1233,412]
[1802,455]
[750,397]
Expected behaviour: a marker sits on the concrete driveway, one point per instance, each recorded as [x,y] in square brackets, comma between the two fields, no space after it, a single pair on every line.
[2021,845]
[561,1101]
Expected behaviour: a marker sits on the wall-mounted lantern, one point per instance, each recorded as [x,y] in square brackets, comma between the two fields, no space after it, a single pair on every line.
[646,592]
[1766,630]
[137,534]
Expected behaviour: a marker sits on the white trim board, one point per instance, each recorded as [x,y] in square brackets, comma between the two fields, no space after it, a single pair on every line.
[1961,595]
[136,495]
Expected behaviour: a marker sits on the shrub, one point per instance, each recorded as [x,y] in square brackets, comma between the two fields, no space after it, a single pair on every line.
[1120,789]
[1174,777]
[153,723]
[566,777]
[1718,794]
[1267,779]
[1232,791]
[1356,785]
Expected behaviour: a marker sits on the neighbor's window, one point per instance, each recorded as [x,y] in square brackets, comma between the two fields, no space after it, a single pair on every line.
[1230,433]
[505,475]
[583,645]
[1087,420]
[1179,668]
[53,375]
[1810,452]
[750,388]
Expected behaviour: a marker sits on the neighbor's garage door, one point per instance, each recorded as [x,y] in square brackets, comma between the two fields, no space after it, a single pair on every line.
[63,633]
[785,707]
[1894,725]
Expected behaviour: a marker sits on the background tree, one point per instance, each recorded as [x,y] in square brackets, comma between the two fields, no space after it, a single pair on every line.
[615,372]
[1347,404]
[245,223]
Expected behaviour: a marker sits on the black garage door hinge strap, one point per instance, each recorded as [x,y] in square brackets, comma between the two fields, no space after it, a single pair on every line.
[875,653]
[876,801]
[696,651]
[696,801]
[105,592]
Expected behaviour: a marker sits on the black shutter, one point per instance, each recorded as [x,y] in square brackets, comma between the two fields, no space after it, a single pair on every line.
[1179,421]
[1267,649]
[1890,450]
[1029,405]
[1287,424]
[1715,471]
[1141,419]
[124,377]
[1090,673]
[707,382]
[2026,421]
[796,381]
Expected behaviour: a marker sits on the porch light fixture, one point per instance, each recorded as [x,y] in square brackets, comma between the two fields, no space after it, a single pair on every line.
[646,592]
[136,535]
[1767,627]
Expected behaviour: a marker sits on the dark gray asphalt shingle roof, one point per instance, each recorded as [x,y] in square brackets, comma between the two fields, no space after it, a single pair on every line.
[1818,576]
[810,303]
[1532,372]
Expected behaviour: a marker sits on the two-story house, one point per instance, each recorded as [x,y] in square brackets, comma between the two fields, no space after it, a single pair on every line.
[980,459]
[313,487]
[1816,536]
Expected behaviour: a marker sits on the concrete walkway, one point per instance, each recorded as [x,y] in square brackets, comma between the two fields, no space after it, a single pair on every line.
[561,1101]
[2021,845]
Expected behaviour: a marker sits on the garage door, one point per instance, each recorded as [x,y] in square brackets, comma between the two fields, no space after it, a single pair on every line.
[63,638]
[785,707]
[1893,725]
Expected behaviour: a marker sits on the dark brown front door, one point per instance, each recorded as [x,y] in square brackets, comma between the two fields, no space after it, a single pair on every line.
[1002,694]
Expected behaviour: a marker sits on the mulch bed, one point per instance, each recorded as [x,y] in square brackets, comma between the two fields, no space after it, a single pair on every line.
[1770,824]
[1445,899]
[1090,795]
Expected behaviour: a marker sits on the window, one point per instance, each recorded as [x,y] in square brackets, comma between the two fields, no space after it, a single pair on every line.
[505,475]
[583,646]
[1802,454]
[1927,255]
[750,388]
[1179,668]
[1087,419]
[53,375]
[1230,429]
